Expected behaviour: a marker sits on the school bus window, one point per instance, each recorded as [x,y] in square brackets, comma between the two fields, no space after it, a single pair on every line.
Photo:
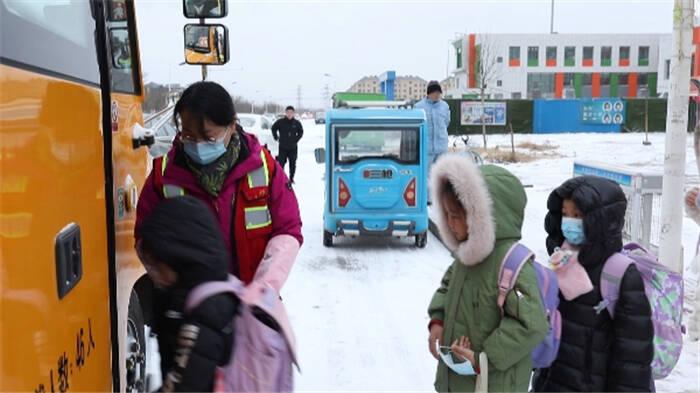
[122,62]
[43,31]
[121,51]
[117,10]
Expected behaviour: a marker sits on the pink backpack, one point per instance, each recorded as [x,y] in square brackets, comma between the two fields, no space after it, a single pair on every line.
[262,358]
[663,287]
[546,352]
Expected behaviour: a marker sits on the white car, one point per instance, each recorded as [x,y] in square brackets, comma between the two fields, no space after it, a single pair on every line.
[165,131]
[270,118]
[259,126]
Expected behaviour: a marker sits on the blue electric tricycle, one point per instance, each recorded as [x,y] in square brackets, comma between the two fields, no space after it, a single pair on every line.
[376,181]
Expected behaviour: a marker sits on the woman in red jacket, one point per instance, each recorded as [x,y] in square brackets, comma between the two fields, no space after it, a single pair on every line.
[214,160]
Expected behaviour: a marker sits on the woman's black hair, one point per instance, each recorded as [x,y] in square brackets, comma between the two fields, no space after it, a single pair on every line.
[206,100]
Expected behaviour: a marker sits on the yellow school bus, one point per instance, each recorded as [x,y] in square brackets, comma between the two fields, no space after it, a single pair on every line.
[73,296]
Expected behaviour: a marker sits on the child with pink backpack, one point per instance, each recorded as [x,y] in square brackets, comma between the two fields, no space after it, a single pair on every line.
[490,319]
[608,330]
[232,337]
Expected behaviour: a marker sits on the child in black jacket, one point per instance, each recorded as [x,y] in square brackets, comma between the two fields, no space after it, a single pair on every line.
[181,247]
[597,353]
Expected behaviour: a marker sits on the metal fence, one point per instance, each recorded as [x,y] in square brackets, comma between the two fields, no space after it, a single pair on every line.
[643,191]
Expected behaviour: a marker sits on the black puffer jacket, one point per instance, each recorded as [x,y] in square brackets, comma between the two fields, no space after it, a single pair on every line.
[598,354]
[183,233]
[288,132]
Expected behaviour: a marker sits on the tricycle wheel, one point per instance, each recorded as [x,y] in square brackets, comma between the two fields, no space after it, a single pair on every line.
[422,240]
[327,239]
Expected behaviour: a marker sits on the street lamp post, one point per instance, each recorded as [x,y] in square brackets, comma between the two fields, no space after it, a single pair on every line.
[328,94]
[233,95]
[252,102]
[551,20]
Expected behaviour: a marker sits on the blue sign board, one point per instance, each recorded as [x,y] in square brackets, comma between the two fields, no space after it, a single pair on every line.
[622,179]
[603,111]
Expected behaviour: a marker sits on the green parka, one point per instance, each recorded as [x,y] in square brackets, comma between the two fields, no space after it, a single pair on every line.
[466,302]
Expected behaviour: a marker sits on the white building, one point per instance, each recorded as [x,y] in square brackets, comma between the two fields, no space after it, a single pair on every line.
[405,87]
[562,65]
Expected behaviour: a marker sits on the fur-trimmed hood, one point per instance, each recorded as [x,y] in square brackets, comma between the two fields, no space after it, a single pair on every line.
[493,198]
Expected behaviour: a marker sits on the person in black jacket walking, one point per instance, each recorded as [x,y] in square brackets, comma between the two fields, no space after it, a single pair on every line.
[288,131]
[597,353]
[181,247]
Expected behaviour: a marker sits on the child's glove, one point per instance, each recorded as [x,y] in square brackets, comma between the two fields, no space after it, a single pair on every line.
[572,277]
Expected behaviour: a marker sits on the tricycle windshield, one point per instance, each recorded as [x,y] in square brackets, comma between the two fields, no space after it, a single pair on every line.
[360,143]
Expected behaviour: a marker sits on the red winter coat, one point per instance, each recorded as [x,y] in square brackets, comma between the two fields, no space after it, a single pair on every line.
[249,230]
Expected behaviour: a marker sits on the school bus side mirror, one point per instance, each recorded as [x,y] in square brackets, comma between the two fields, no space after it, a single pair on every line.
[320,155]
[198,9]
[206,44]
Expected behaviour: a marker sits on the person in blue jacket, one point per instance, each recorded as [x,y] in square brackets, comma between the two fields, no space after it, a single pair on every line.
[438,115]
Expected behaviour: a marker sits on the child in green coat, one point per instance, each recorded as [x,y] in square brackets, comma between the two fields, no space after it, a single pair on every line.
[480,216]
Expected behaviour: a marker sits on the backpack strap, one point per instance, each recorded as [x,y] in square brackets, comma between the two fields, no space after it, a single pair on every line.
[208,289]
[634,247]
[511,266]
[610,280]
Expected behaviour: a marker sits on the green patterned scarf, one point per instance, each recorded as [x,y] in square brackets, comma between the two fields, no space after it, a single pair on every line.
[212,176]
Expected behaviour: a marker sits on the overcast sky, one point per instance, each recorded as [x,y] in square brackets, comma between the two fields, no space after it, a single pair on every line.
[279,45]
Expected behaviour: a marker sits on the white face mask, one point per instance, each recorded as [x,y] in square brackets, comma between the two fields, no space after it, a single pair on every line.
[572,228]
[465,368]
[206,152]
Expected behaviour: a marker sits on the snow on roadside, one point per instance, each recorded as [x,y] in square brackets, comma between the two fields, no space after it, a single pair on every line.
[359,309]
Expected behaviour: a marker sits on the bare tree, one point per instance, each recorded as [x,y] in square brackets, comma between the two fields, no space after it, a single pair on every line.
[487,71]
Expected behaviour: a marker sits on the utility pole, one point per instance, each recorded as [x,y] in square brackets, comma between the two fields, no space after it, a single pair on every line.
[299,97]
[676,130]
[326,96]
[205,74]
[551,21]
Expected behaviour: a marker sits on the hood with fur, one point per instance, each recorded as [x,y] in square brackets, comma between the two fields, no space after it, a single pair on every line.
[493,198]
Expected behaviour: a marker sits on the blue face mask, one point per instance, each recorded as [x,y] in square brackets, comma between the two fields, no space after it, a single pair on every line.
[204,153]
[573,230]
[465,368]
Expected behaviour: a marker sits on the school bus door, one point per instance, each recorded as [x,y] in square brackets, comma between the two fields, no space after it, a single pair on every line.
[129,165]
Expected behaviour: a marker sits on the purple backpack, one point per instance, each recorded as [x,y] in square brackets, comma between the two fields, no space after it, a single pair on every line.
[544,354]
[663,287]
[262,358]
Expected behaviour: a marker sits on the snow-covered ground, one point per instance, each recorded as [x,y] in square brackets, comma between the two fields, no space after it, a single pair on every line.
[359,308]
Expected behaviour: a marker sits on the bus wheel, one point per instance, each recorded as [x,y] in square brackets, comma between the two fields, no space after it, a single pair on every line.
[135,354]
[327,239]
[422,240]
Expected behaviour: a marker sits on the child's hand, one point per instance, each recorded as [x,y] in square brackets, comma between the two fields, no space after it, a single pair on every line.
[691,196]
[435,335]
[462,348]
